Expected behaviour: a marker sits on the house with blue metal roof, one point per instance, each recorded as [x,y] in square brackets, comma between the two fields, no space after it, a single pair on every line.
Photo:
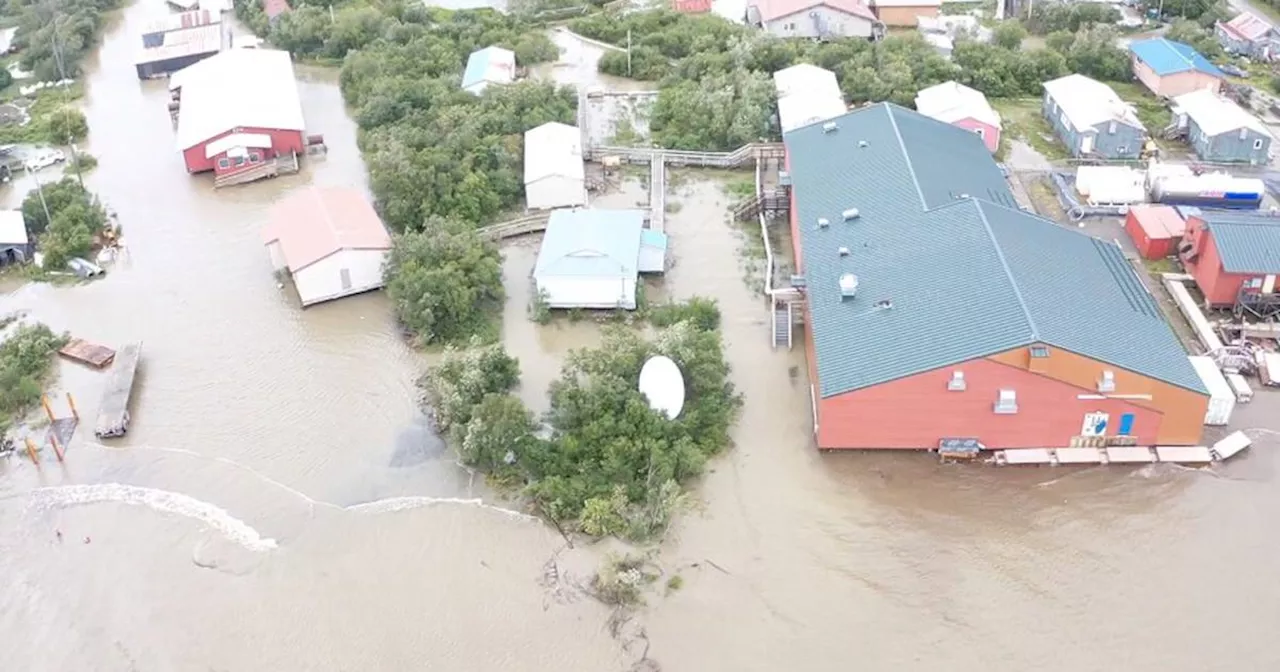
[593,258]
[491,65]
[938,310]
[1171,68]
[1235,260]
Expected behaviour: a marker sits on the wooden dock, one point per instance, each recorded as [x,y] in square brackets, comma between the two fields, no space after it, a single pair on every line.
[84,352]
[113,416]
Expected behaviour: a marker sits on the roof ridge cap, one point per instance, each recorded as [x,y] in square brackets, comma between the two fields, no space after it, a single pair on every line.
[906,155]
[1008,272]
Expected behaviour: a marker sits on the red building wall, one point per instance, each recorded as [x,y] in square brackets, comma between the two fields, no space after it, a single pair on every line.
[282,142]
[916,412]
[1219,287]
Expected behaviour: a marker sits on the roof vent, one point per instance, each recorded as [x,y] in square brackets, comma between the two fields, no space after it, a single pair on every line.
[884,304]
[851,213]
[848,286]
[862,143]
[964,196]
[1108,382]
[844,251]
[823,222]
[829,127]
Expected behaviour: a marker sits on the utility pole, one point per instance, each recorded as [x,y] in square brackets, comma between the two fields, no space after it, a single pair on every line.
[48,218]
[62,76]
[628,53]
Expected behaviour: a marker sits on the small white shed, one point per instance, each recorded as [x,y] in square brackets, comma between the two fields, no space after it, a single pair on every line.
[491,65]
[15,246]
[1222,399]
[330,240]
[554,174]
[590,259]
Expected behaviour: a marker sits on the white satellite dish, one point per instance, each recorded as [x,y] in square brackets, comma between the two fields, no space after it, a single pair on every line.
[662,384]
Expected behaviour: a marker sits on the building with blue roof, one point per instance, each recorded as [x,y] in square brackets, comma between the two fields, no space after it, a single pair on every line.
[593,258]
[491,65]
[937,310]
[1171,68]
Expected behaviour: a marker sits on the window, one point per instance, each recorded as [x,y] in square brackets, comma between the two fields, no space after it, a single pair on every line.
[254,157]
[1111,128]
[980,132]
[1107,383]
[238,161]
[1039,351]
[1257,144]
[1244,134]
[956,384]
[1121,149]
[1064,119]
[1007,403]
[224,163]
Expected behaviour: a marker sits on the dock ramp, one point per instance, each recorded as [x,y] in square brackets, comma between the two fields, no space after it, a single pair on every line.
[113,414]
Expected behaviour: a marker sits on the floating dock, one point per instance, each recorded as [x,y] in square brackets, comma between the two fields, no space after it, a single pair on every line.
[1221,451]
[92,354]
[113,416]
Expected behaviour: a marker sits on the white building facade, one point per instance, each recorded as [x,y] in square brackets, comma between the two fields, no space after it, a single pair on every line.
[554,173]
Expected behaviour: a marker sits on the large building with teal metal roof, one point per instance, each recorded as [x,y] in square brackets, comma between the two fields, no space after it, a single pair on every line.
[1171,68]
[938,310]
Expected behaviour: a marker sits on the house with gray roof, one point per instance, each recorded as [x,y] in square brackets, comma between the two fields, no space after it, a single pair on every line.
[593,258]
[1091,119]
[937,310]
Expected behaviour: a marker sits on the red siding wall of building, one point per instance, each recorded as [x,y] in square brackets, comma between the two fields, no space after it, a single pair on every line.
[893,415]
[1219,287]
[282,142]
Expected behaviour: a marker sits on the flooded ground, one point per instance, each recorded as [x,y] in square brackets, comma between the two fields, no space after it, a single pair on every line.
[278,504]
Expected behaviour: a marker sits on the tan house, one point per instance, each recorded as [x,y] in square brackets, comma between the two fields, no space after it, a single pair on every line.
[904,12]
[1171,69]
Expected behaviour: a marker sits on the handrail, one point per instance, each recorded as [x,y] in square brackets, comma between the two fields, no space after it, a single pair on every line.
[515,227]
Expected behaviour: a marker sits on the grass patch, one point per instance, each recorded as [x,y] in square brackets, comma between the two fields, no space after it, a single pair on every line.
[53,114]
[1155,266]
[1152,111]
[1023,120]
[622,580]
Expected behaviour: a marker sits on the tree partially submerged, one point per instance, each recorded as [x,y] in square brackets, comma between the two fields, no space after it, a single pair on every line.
[71,224]
[608,464]
[26,360]
[444,281]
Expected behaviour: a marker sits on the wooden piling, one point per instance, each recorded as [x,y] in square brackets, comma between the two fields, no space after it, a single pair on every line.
[71,401]
[31,451]
[57,446]
[48,408]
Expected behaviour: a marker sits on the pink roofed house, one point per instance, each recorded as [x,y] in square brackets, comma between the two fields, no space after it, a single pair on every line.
[815,18]
[956,104]
[330,240]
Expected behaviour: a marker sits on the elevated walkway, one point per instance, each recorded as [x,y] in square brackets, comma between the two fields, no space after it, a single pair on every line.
[1221,451]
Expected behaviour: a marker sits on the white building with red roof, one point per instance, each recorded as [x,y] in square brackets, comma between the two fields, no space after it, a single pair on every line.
[238,108]
[330,241]
[1249,35]
[815,18]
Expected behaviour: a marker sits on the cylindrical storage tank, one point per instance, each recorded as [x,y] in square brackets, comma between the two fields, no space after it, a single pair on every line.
[1212,191]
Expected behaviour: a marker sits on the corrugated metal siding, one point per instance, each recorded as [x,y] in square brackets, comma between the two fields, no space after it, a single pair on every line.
[1228,147]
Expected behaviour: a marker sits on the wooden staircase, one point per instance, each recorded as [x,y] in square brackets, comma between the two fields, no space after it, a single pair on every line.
[782,324]
[770,204]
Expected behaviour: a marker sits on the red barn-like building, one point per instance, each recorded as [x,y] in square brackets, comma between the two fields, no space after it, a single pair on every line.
[1234,258]
[1155,230]
[937,310]
[236,108]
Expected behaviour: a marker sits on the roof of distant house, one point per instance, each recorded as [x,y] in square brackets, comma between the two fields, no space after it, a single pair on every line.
[274,8]
[13,229]
[807,94]
[494,65]
[1088,102]
[691,6]
[595,243]
[237,88]
[1247,26]
[805,79]
[183,20]
[1166,57]
[553,149]
[964,273]
[317,222]
[1245,243]
[950,102]
[205,39]
[772,10]
[1215,114]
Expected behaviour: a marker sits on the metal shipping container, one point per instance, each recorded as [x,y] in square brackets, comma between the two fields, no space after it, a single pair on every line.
[1222,399]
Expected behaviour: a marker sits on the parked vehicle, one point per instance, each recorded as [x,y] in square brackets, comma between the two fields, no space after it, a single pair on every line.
[1234,71]
[45,158]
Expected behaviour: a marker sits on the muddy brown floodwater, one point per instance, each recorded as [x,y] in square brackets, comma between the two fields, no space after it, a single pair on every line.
[278,504]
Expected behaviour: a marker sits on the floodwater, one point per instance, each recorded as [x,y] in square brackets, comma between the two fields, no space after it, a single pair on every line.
[279,505]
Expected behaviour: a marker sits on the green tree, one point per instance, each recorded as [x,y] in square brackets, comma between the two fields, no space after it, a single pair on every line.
[445,282]
[1008,35]
[26,359]
[1191,33]
[67,125]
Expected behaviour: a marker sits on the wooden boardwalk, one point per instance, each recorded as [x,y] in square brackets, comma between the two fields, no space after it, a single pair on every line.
[92,354]
[113,414]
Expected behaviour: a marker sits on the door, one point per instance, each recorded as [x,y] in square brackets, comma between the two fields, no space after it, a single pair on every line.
[1095,424]
[1126,424]
[346,279]
[1086,144]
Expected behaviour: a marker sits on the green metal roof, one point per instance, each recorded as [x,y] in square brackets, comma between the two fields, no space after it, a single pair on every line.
[1246,244]
[595,243]
[939,236]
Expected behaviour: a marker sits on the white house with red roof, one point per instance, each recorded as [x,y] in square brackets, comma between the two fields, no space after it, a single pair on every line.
[330,241]
[815,18]
[1249,35]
